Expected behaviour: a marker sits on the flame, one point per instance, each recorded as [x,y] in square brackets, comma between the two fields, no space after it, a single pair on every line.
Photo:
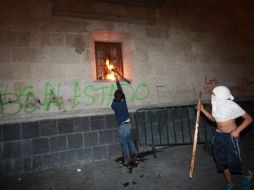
[110,75]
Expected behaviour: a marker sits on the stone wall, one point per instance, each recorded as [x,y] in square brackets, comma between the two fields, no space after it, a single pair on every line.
[54,112]
[170,53]
[27,146]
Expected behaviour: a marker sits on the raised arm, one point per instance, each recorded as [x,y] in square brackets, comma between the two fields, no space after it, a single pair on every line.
[118,85]
[207,114]
[120,75]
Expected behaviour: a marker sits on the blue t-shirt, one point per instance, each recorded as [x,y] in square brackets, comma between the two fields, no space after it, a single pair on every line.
[121,110]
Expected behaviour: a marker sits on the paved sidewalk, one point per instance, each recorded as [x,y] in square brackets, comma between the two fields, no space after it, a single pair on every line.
[168,171]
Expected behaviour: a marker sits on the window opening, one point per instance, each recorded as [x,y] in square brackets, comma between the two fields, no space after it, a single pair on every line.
[108,56]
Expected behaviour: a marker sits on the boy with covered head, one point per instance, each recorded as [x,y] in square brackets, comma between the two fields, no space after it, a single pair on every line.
[226,149]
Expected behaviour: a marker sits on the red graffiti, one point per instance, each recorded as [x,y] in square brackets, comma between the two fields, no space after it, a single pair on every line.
[209,85]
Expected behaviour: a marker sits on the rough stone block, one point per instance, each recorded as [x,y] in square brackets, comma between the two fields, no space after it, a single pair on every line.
[115,150]
[90,139]
[75,141]
[58,143]
[29,55]
[67,157]
[1,133]
[184,112]
[100,152]
[106,137]
[27,148]
[176,114]
[5,57]
[74,41]
[19,39]
[11,132]
[116,137]
[5,40]
[97,117]
[37,162]
[157,33]
[81,124]
[47,40]
[12,150]
[19,165]
[85,154]
[111,121]
[30,130]
[28,164]
[65,126]
[192,112]
[50,160]
[63,56]
[40,146]
[1,151]
[7,166]
[48,127]
[97,124]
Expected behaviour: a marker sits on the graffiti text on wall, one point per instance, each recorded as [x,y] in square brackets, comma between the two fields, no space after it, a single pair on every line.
[24,98]
[244,86]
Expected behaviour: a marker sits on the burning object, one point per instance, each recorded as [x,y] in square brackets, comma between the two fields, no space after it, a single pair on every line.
[110,74]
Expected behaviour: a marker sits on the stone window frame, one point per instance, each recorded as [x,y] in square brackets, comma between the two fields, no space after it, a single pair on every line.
[126,48]
[111,51]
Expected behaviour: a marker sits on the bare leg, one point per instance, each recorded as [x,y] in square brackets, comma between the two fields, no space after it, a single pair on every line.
[228,176]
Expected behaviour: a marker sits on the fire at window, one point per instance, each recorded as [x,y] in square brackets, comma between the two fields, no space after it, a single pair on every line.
[108,60]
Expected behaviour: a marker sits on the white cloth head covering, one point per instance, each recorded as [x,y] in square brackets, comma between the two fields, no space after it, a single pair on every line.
[223,106]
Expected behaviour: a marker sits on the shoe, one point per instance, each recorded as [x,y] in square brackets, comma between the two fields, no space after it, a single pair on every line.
[229,187]
[127,160]
[134,159]
[246,180]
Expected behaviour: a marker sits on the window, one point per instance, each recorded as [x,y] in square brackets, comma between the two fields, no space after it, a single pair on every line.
[108,56]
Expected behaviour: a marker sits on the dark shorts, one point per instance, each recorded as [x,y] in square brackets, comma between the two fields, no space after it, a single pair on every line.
[226,152]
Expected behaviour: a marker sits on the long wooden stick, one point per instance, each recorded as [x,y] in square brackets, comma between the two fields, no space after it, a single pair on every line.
[195,141]
[125,79]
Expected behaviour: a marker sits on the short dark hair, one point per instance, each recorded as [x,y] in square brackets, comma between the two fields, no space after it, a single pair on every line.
[119,95]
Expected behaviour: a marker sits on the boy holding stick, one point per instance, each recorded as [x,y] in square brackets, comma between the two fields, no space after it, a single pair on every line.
[226,148]
[120,108]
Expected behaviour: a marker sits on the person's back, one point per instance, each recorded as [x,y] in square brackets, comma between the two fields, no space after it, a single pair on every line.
[120,108]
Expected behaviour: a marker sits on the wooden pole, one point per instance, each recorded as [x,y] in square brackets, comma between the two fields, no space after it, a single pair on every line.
[195,141]
[125,79]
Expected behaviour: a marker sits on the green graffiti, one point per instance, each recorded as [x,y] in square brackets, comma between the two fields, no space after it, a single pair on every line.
[76,95]
[142,92]
[24,100]
[12,106]
[101,91]
[51,97]
[90,96]
[23,90]
[127,87]
[29,106]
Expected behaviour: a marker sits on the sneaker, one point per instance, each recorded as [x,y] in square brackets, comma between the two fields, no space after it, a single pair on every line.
[229,187]
[246,180]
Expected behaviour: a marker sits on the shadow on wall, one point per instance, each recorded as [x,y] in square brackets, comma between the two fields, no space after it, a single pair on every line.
[79,45]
